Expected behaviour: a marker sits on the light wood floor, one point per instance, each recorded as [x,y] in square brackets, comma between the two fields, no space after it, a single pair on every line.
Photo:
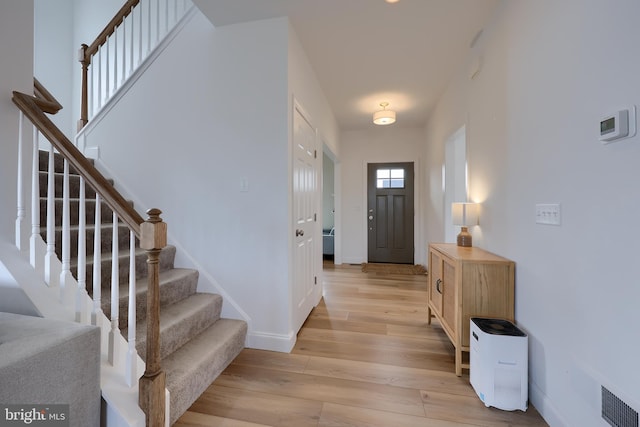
[364,357]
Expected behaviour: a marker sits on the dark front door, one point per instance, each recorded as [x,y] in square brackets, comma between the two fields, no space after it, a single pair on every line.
[390,212]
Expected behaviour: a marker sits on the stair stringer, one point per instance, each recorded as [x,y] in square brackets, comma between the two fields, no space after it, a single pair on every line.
[120,405]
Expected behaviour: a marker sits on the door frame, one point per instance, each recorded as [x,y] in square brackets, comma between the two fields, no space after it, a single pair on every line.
[417,205]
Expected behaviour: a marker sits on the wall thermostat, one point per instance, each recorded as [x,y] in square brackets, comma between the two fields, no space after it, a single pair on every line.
[619,125]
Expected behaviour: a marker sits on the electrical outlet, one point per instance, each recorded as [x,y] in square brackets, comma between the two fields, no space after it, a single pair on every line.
[548,214]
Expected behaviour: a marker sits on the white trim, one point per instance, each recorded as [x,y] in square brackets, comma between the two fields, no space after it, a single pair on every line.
[272,342]
[545,407]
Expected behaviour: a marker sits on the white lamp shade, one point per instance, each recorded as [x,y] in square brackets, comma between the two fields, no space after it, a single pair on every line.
[465,214]
[384,117]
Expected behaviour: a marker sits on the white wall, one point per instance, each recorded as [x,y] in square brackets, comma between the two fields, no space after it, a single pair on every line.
[379,144]
[304,87]
[550,71]
[16,73]
[191,129]
[55,57]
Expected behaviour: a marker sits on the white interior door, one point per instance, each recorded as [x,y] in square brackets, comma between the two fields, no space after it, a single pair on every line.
[305,205]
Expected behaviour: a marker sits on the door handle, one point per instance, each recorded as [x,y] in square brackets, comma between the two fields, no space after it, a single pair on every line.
[299,232]
[438,283]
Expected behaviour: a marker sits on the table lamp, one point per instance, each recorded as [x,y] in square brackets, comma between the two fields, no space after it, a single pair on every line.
[464,215]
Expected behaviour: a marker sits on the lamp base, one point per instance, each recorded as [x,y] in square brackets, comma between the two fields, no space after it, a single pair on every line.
[464,238]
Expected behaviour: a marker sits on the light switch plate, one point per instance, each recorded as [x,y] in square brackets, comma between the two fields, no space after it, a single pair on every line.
[548,214]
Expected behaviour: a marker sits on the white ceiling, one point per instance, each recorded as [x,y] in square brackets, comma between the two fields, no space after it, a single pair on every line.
[368,51]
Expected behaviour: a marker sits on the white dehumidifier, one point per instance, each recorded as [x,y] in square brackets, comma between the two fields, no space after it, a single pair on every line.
[498,368]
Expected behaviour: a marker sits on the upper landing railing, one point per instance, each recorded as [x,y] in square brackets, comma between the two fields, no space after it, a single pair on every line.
[122,47]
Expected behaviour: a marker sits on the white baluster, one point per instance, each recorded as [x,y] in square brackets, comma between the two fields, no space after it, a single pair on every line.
[132,360]
[140,9]
[99,91]
[20,199]
[114,333]
[107,92]
[166,16]
[175,11]
[65,274]
[90,89]
[124,51]
[35,241]
[115,60]
[81,291]
[149,28]
[50,258]
[131,37]
[97,265]
[157,21]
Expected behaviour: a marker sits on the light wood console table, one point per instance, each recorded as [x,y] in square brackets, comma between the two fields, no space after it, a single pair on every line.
[467,282]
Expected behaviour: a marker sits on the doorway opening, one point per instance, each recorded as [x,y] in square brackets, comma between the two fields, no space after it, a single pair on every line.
[328,209]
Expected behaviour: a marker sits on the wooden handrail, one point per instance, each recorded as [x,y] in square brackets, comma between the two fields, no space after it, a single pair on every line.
[29,105]
[87,51]
[124,11]
[47,102]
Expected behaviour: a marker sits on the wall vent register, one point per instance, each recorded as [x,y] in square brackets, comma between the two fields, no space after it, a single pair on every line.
[616,412]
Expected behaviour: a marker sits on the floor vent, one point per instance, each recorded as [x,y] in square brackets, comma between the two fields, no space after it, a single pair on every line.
[616,412]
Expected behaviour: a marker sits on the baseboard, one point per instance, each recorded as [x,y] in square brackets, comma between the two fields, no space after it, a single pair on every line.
[544,406]
[348,260]
[271,342]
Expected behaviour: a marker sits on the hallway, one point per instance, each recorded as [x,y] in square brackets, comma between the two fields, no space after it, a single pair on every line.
[364,357]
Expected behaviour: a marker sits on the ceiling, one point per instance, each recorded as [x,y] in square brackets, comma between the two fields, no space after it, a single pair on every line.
[365,52]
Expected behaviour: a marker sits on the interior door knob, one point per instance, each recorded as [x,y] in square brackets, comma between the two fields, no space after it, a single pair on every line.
[299,232]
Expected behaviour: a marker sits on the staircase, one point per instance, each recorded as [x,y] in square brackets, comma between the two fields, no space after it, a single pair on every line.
[195,343]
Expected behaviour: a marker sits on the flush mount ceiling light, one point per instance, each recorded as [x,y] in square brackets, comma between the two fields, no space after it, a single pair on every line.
[384,116]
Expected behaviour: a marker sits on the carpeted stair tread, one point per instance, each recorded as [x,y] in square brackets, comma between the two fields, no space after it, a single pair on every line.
[176,285]
[180,322]
[106,214]
[106,232]
[58,181]
[58,160]
[195,365]
[167,255]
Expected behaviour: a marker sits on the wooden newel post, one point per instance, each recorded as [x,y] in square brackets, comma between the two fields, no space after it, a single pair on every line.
[153,237]
[84,102]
